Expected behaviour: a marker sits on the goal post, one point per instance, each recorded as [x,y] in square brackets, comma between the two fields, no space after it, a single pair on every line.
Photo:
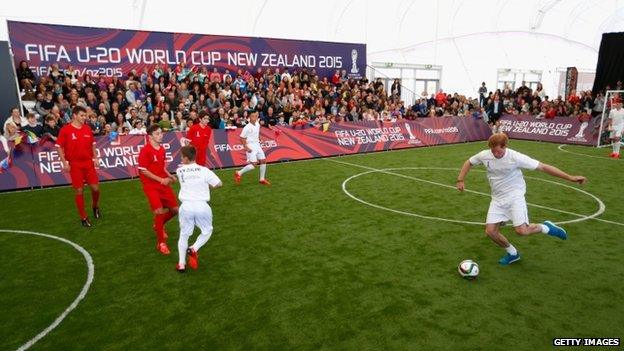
[610,96]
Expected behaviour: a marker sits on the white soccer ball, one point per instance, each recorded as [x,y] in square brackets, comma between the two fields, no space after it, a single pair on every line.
[468,269]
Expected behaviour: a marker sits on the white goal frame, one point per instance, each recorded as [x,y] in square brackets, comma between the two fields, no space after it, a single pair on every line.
[608,101]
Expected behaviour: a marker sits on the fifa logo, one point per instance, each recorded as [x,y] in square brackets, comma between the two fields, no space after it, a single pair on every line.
[354,56]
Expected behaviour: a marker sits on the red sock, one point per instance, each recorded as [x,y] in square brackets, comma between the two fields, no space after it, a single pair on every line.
[95,198]
[170,214]
[79,199]
[159,226]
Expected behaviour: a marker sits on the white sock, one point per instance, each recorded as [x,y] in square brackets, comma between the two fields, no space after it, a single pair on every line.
[201,240]
[545,229]
[246,169]
[616,147]
[511,250]
[182,246]
[262,170]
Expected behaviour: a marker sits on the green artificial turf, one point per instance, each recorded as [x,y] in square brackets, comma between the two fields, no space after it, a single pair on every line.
[301,265]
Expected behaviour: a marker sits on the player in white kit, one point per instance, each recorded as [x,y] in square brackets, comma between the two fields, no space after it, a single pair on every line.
[508,188]
[195,184]
[250,138]
[616,126]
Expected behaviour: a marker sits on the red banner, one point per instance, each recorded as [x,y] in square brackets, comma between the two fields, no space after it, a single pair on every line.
[39,165]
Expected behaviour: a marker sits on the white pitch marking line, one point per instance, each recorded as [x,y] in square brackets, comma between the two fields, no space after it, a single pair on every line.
[83,292]
[582,217]
[560,147]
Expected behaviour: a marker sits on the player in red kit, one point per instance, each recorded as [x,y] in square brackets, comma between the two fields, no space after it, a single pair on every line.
[199,136]
[76,149]
[156,179]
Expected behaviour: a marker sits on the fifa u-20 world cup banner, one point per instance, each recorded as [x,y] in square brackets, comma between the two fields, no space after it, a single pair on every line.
[564,130]
[115,52]
[38,164]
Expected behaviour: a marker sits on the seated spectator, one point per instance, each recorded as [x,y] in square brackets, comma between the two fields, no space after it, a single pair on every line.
[16,118]
[440,98]
[25,75]
[94,123]
[51,129]
[131,96]
[165,123]
[72,74]
[230,125]
[33,126]
[138,128]
[573,98]
[11,131]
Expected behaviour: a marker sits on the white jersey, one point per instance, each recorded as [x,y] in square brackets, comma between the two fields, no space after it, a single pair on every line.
[252,134]
[617,117]
[194,182]
[504,174]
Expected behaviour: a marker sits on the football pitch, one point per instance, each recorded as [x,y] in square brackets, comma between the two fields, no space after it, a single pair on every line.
[352,253]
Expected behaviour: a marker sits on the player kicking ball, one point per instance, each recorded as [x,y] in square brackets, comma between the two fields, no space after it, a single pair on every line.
[195,183]
[250,138]
[508,188]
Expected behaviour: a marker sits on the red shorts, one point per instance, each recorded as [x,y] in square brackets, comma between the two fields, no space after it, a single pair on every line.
[200,156]
[82,172]
[160,197]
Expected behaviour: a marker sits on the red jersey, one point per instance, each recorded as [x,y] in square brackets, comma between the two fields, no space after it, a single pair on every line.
[77,143]
[152,160]
[199,136]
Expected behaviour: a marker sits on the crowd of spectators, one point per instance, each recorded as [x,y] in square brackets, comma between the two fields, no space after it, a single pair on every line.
[173,98]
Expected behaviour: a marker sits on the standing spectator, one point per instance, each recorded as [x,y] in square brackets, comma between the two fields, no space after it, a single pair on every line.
[495,111]
[598,105]
[396,88]
[482,94]
[541,93]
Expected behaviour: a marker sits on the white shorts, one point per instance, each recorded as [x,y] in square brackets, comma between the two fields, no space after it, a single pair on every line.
[256,154]
[514,210]
[193,214]
[616,132]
